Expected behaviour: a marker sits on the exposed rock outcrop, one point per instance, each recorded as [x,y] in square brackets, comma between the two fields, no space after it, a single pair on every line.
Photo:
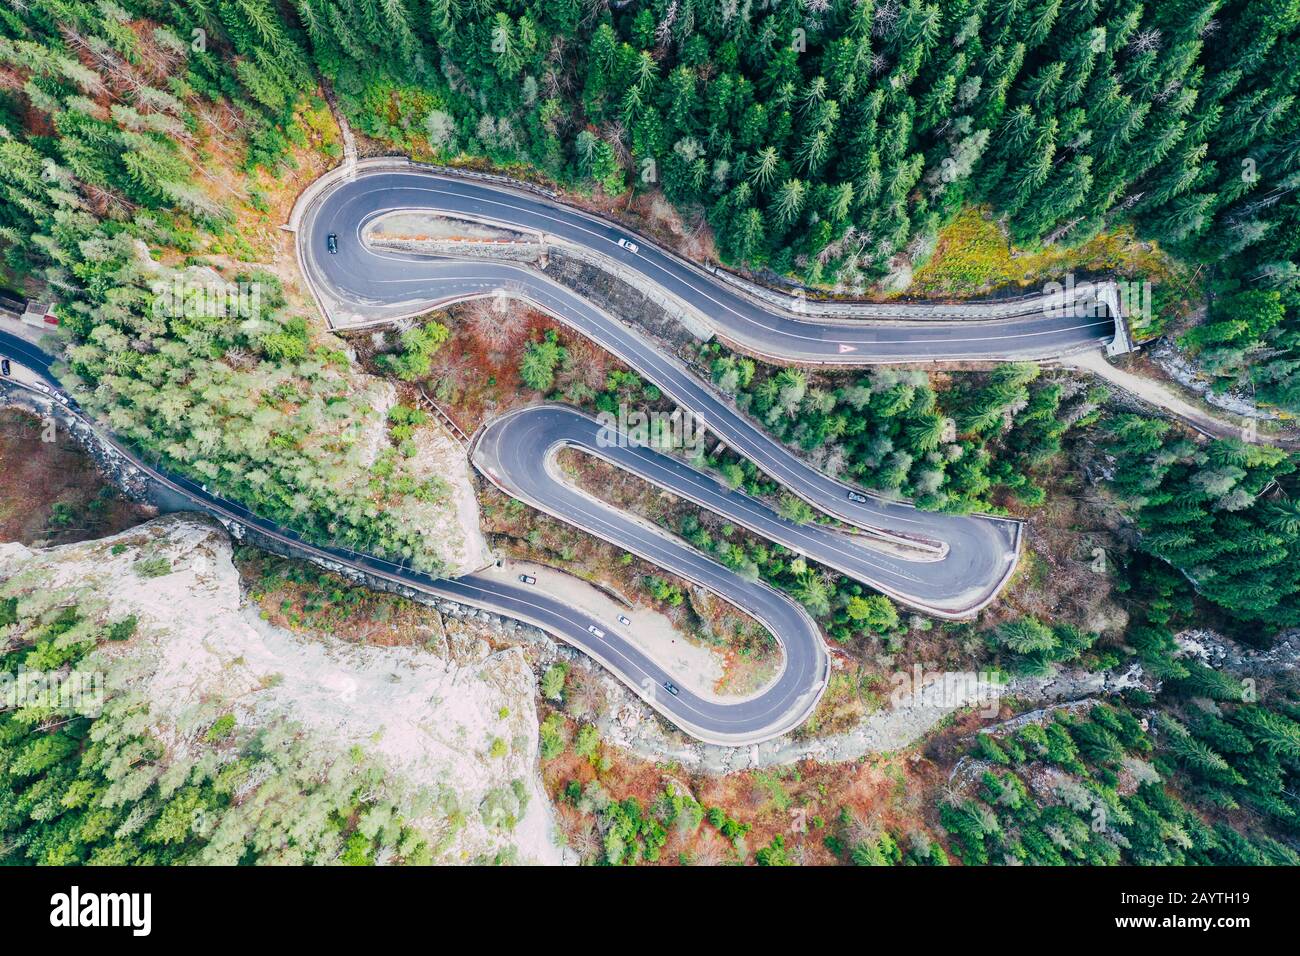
[626,722]
[452,728]
[1215,650]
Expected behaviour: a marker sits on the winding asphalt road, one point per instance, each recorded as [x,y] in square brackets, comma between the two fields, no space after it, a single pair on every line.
[949,565]
[780,707]
[361,284]
[949,583]
[971,579]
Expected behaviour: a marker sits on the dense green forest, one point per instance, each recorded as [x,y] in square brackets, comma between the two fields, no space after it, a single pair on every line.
[829,139]
[823,138]
[957,449]
[1116,781]
[105,125]
[82,780]
[825,134]
[824,141]
[1224,514]
[1202,773]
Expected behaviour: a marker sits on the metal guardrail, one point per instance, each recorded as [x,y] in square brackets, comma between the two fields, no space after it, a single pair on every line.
[372,569]
[800,306]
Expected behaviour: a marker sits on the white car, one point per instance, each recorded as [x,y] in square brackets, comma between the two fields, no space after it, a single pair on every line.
[630,246]
[595,630]
[625,620]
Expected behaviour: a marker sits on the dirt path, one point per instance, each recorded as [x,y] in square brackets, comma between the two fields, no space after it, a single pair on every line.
[1166,398]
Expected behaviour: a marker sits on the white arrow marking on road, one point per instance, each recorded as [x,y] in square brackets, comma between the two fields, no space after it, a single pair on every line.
[847,348]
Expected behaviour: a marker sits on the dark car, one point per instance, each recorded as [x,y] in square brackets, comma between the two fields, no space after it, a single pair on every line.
[4,366]
[858,497]
[671,688]
[332,243]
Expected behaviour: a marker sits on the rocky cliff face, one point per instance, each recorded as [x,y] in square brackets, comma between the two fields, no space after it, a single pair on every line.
[1215,650]
[452,729]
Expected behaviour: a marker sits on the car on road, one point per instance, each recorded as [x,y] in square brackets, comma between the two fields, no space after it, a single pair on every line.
[671,688]
[595,630]
[4,366]
[42,387]
[625,620]
[858,496]
[630,246]
[332,243]
[527,579]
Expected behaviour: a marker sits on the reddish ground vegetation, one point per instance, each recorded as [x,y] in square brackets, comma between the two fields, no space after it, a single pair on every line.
[803,804]
[51,491]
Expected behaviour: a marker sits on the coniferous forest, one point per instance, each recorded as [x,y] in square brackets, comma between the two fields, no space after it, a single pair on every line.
[825,141]
[822,142]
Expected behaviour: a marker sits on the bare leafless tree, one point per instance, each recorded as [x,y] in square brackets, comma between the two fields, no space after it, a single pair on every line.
[496,325]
